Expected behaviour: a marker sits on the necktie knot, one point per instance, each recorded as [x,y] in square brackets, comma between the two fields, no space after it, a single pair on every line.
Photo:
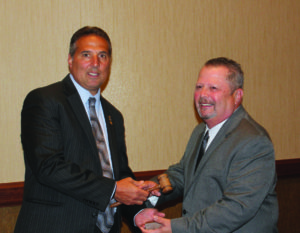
[92,102]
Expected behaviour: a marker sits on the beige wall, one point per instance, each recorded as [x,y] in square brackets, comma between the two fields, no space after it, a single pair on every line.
[158,49]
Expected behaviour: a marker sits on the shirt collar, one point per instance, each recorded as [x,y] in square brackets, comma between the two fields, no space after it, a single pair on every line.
[213,131]
[84,93]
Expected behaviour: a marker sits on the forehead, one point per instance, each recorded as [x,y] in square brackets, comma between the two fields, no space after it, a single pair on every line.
[213,74]
[92,42]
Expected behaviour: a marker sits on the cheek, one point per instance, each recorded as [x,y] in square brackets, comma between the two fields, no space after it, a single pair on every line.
[196,96]
[105,67]
[83,65]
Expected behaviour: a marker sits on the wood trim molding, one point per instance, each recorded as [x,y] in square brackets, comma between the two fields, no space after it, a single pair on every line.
[147,175]
[11,194]
[288,167]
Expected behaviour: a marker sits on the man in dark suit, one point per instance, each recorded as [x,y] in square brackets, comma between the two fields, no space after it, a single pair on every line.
[231,186]
[65,189]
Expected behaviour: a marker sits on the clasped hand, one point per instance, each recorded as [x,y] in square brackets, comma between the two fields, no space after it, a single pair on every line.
[151,215]
[132,192]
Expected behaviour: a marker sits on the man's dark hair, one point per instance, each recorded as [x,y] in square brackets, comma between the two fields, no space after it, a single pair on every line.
[236,74]
[87,30]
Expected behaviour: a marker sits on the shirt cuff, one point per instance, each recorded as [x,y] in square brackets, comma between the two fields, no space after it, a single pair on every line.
[153,200]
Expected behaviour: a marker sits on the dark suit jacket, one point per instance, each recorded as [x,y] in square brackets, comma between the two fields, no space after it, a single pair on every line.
[233,187]
[64,188]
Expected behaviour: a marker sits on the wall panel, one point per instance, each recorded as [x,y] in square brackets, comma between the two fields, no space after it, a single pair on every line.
[158,49]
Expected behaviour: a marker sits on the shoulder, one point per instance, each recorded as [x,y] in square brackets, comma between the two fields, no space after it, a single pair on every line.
[47,95]
[42,94]
[49,91]
[248,136]
[244,125]
[250,128]
[243,140]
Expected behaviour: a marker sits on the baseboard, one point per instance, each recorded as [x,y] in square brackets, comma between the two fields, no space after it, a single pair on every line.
[11,194]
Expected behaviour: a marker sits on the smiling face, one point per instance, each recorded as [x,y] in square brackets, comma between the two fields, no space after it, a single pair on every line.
[214,99]
[90,65]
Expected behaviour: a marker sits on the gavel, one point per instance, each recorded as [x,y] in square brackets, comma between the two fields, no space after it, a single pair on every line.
[164,185]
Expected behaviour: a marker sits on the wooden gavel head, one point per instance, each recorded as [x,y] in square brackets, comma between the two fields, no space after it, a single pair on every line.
[164,183]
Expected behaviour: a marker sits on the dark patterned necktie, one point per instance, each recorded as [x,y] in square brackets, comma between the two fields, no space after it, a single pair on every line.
[105,220]
[202,148]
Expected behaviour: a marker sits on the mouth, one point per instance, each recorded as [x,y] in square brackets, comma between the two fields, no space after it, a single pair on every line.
[93,74]
[205,105]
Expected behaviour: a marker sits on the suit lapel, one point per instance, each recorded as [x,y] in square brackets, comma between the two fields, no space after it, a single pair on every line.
[196,151]
[79,112]
[193,159]
[111,137]
[222,135]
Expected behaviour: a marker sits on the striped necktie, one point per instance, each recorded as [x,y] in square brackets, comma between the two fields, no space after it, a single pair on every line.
[105,220]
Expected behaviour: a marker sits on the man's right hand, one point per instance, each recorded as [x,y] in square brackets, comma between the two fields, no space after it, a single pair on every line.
[130,192]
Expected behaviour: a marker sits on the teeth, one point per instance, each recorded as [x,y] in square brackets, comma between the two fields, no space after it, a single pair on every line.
[93,74]
[205,104]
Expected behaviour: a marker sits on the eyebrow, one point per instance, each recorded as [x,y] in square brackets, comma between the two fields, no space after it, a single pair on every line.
[88,51]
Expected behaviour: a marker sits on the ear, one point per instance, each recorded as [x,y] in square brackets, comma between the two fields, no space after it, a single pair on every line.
[238,96]
[70,59]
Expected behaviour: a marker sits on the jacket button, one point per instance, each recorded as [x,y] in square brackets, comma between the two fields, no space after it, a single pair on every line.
[184,211]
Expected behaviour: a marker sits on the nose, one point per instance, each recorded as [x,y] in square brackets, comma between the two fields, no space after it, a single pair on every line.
[201,92]
[95,61]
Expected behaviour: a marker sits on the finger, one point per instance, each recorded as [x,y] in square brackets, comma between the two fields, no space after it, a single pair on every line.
[144,230]
[160,214]
[150,184]
[138,183]
[129,179]
[155,193]
[158,219]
